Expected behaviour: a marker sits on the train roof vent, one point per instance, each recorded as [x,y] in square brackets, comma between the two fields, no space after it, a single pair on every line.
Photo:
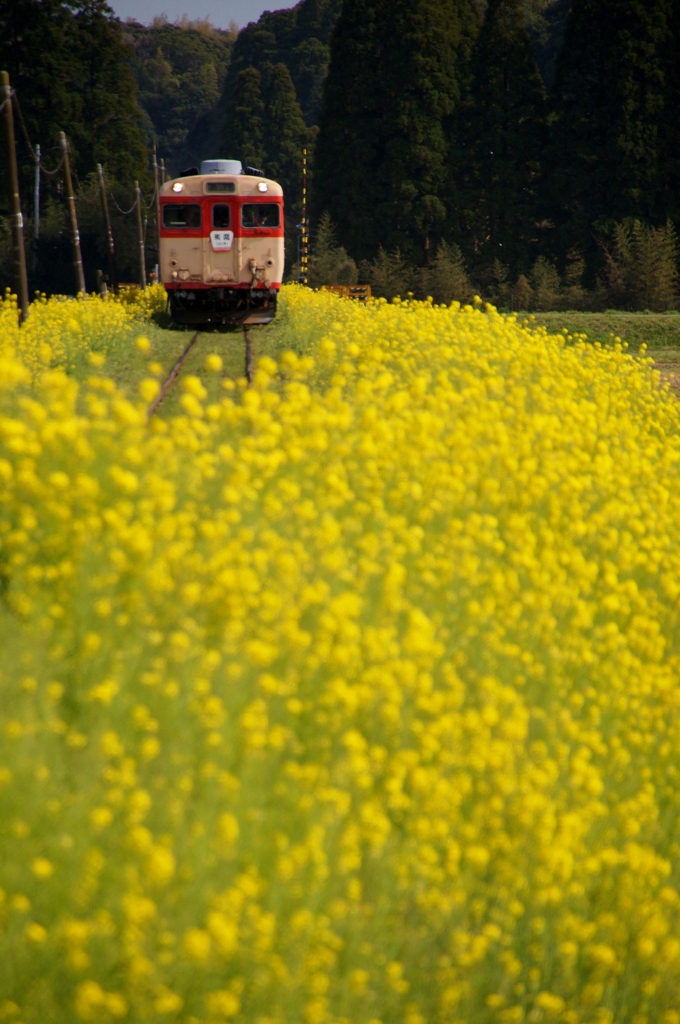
[221,167]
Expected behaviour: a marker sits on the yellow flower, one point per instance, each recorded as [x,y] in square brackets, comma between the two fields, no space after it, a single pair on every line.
[101,817]
[148,389]
[228,829]
[35,932]
[213,363]
[42,868]
[196,944]
[168,1001]
[160,865]
[223,1003]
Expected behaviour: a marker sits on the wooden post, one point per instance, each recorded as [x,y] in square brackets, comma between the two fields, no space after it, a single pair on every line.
[111,250]
[36,196]
[249,356]
[304,248]
[36,210]
[140,236]
[156,178]
[71,203]
[15,217]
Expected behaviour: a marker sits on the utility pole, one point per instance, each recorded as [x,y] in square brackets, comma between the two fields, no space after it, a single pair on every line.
[36,196]
[36,210]
[156,177]
[140,235]
[110,248]
[16,219]
[71,203]
[162,170]
[305,229]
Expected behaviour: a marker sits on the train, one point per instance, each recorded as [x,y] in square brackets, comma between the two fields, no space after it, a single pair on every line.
[221,254]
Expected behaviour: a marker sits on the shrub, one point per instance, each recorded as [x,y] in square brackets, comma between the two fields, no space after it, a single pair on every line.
[330,263]
[445,279]
[642,266]
[546,284]
[389,275]
[522,294]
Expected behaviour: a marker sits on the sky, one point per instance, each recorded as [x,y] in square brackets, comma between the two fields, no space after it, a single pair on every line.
[220,12]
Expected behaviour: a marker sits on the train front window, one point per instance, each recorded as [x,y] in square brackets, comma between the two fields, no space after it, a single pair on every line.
[260,215]
[221,215]
[181,215]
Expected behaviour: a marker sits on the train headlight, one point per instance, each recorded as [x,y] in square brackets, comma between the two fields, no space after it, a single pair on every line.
[178,186]
[263,186]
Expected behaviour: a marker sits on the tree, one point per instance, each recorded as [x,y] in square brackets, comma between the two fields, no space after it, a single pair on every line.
[308,64]
[109,129]
[669,198]
[504,136]
[27,30]
[180,71]
[445,278]
[330,263]
[642,267]
[69,65]
[244,127]
[522,296]
[610,109]
[395,79]
[547,34]
[285,133]
[298,38]
[389,274]
[546,283]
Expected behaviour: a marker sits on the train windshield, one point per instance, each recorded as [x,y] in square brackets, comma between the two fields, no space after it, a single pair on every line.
[221,215]
[260,215]
[181,215]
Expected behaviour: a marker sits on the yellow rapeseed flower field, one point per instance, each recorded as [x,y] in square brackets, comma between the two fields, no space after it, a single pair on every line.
[352,698]
[62,333]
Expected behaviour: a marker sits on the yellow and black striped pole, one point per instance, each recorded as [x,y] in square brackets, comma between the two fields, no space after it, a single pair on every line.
[304,241]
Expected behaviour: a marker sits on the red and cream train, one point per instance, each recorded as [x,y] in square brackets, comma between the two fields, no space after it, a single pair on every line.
[221,251]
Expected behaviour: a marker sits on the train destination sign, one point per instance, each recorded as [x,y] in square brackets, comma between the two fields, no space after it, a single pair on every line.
[221,241]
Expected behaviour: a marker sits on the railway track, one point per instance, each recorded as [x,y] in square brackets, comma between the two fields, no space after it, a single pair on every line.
[175,372]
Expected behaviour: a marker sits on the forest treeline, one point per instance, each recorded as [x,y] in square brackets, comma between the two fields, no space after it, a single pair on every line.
[525,150]
[439,135]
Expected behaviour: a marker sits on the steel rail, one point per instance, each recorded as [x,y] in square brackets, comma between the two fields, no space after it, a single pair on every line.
[171,379]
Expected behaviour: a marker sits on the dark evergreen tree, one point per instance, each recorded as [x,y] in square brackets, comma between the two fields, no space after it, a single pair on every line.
[504,135]
[609,100]
[285,133]
[308,65]
[180,71]
[330,263]
[309,59]
[244,127]
[445,279]
[34,50]
[547,35]
[109,129]
[299,38]
[642,266]
[69,65]
[669,197]
[395,79]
